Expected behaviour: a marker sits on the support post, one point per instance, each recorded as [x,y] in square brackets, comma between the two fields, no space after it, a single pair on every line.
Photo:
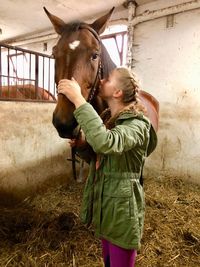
[131,5]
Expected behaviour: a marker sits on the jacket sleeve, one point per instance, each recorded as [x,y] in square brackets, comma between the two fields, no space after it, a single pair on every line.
[123,137]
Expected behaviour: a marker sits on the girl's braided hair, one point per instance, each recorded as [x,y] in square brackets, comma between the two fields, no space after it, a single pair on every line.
[128,83]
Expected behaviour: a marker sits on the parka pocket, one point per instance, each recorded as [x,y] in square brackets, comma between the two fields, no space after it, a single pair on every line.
[115,187]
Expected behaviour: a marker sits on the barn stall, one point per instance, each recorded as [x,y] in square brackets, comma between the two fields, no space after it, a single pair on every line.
[44,229]
[26,110]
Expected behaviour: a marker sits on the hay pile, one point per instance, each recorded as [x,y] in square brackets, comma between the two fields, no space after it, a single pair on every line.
[172,227]
[46,230]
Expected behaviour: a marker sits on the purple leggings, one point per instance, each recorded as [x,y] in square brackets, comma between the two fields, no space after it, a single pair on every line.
[115,256]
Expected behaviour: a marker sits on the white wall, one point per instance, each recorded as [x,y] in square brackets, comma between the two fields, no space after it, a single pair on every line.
[168,62]
[31,152]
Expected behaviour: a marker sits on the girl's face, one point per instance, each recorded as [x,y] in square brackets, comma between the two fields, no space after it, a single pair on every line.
[108,86]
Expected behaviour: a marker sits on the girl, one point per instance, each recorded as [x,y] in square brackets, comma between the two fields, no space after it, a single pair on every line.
[113,197]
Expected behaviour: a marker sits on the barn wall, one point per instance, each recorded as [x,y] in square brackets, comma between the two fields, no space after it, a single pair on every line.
[31,151]
[168,62]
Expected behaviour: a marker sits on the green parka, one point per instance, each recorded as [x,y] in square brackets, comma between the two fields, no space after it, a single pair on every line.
[113,196]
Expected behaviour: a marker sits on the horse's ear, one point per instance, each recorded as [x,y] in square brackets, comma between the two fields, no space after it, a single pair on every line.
[57,23]
[100,24]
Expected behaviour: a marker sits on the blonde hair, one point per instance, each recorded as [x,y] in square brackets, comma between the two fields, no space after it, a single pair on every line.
[128,83]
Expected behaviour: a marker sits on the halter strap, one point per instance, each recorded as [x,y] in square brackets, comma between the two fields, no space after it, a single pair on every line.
[85,26]
[92,92]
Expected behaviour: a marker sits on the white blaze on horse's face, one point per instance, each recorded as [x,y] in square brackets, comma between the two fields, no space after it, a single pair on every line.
[74,44]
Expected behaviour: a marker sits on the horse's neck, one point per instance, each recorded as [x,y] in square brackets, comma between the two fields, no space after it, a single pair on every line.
[107,63]
[99,104]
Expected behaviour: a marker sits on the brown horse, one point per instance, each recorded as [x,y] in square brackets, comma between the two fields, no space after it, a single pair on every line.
[26,91]
[79,53]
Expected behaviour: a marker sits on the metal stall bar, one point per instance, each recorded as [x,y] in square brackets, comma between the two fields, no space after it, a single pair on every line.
[0,75]
[36,75]
[49,74]
[43,76]
[26,75]
[8,69]
[16,70]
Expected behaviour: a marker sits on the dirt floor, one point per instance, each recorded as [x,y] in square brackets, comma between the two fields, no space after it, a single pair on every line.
[45,230]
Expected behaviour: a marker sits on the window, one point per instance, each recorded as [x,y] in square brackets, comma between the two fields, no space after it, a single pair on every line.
[116,43]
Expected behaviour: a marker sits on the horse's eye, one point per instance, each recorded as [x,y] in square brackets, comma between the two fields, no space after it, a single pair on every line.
[94,56]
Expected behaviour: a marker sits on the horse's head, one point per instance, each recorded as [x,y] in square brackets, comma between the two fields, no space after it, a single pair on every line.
[77,54]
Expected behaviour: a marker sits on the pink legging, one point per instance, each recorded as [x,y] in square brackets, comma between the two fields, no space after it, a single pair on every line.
[115,256]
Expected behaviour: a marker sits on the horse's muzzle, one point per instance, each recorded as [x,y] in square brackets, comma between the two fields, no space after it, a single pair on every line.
[65,130]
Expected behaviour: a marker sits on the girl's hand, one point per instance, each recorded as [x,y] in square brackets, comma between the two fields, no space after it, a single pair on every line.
[72,90]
